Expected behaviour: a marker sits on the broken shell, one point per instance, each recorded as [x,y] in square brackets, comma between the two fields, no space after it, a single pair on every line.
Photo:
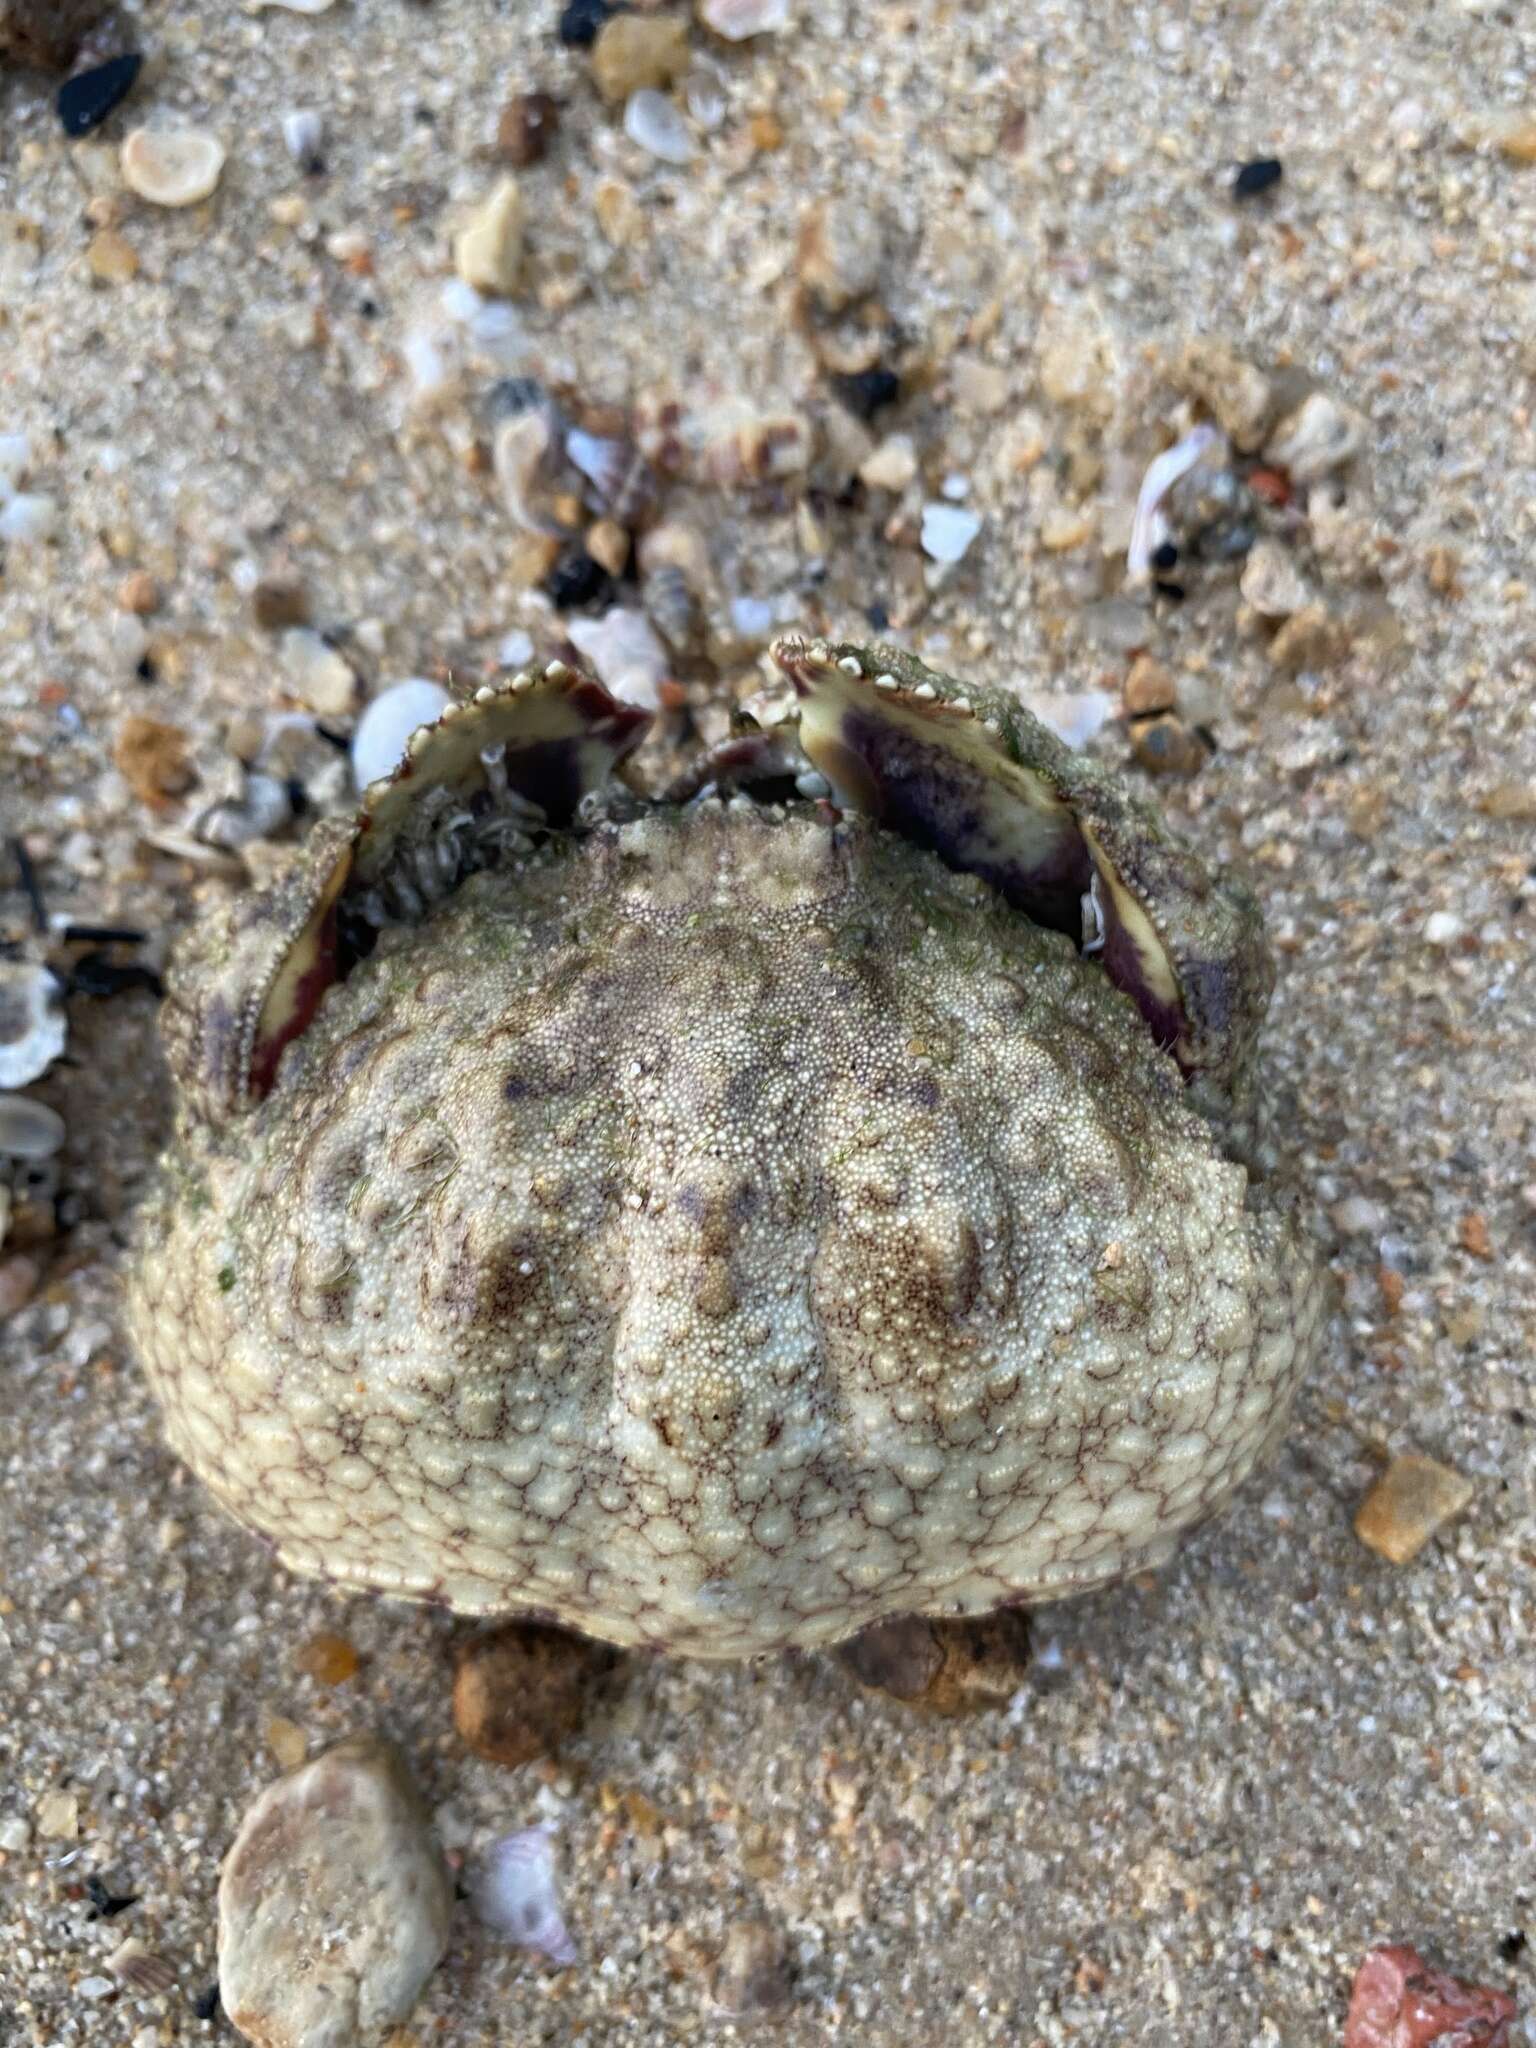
[670,605]
[139,1968]
[525,463]
[1150,528]
[1319,437]
[262,809]
[384,730]
[29,1129]
[515,1893]
[172,166]
[623,649]
[32,1023]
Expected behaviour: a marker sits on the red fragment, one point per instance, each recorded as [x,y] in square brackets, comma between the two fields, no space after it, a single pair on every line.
[1400,2001]
[1272,485]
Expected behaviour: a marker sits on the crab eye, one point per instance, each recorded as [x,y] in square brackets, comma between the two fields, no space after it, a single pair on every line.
[972,776]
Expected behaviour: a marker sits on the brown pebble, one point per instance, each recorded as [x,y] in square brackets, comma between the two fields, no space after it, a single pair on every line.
[1472,1233]
[766,131]
[278,604]
[636,50]
[1311,639]
[527,127]
[328,1659]
[46,32]
[111,258]
[139,593]
[518,1690]
[752,1973]
[19,1276]
[1412,1499]
[943,1667]
[608,543]
[153,759]
[1164,745]
[1148,688]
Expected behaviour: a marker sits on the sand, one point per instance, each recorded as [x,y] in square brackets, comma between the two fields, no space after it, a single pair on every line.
[1221,1786]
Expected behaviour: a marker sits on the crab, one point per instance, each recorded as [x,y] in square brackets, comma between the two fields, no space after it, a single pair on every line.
[836,1189]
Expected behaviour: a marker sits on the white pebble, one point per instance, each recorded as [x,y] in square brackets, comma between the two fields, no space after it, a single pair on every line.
[1441,927]
[15,459]
[1357,1216]
[752,618]
[384,730]
[947,531]
[652,120]
[96,1987]
[29,516]
[297,6]
[624,649]
[303,135]
[1073,715]
[316,673]
[514,1892]
[334,1902]
[32,1025]
[515,649]
[172,166]
[735,20]
[29,1129]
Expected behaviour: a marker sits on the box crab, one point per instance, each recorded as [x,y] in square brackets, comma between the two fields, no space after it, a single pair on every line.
[727,1221]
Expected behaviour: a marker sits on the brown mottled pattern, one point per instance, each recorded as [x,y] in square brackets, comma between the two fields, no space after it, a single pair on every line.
[721,1232]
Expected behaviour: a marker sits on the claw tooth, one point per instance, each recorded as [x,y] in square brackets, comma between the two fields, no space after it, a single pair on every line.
[885,681]
[819,651]
[926,691]
[521,683]
[555,671]
[961,704]
[420,738]
[993,726]
[849,666]
[484,694]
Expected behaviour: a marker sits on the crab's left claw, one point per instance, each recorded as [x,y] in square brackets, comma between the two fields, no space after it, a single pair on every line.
[972,775]
[514,761]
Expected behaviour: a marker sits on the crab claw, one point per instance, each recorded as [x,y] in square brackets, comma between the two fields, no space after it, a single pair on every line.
[485,779]
[970,774]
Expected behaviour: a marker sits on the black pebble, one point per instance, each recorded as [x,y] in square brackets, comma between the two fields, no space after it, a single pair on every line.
[85,100]
[1174,592]
[580,22]
[107,1904]
[576,579]
[1257,177]
[868,392]
[1512,1945]
[878,616]
[206,2005]
[1164,557]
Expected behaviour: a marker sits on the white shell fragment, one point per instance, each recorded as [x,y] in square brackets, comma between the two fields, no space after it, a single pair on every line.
[298,6]
[948,530]
[515,1893]
[735,20]
[334,1903]
[29,1129]
[384,730]
[28,516]
[303,136]
[15,460]
[172,166]
[626,652]
[32,1024]
[657,124]
[316,672]
[1149,528]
